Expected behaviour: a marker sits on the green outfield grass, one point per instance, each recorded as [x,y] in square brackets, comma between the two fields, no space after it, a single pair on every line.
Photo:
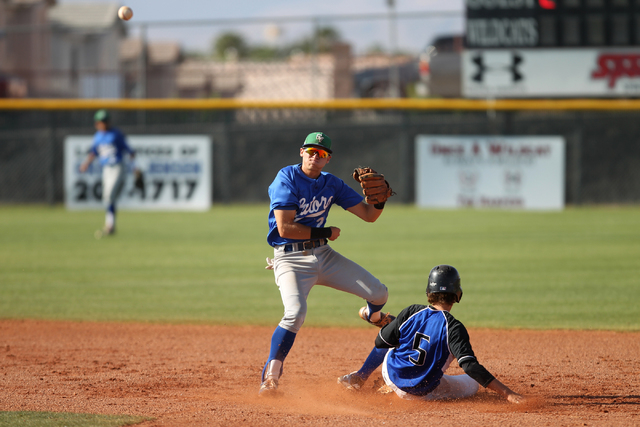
[576,269]
[52,419]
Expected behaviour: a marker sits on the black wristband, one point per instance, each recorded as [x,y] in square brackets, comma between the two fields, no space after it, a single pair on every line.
[320,233]
[379,205]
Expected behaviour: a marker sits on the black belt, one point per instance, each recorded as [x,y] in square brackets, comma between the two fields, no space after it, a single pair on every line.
[301,246]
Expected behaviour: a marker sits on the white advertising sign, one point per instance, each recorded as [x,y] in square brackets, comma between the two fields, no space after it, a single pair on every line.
[523,172]
[521,73]
[177,172]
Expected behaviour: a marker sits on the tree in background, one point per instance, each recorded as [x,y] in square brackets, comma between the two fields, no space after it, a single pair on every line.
[320,42]
[265,53]
[231,45]
[376,49]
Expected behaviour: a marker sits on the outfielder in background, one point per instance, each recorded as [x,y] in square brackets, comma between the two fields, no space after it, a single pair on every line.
[109,146]
[416,348]
[301,196]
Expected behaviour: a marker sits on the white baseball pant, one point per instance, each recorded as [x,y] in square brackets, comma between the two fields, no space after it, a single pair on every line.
[112,182]
[297,272]
[450,387]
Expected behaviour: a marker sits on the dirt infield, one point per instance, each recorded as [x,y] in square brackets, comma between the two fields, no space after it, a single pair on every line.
[209,375]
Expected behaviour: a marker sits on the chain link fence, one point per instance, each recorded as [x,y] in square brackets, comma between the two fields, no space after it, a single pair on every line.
[602,157]
[286,58]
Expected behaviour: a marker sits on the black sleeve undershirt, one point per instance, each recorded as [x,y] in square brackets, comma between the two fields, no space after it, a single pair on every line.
[459,343]
[460,347]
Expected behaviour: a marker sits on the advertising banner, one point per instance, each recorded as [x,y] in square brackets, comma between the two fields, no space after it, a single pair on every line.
[523,172]
[521,73]
[177,171]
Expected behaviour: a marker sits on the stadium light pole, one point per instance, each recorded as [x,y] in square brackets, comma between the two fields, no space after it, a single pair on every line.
[394,77]
[315,48]
[142,73]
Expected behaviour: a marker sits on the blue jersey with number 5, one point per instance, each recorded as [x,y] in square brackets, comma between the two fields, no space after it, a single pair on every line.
[419,361]
[310,198]
[423,343]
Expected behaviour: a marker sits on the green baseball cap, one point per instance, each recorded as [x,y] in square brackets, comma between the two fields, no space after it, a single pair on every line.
[101,116]
[319,140]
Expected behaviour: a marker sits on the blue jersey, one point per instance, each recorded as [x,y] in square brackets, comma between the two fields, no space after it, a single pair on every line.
[310,198]
[423,343]
[109,146]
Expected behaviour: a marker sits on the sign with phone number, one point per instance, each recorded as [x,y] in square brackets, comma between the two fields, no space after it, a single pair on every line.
[176,168]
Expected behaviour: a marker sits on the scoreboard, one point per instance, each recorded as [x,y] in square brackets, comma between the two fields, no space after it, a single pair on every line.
[552,23]
[552,48]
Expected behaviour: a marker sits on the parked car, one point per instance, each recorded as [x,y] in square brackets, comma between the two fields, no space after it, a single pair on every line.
[436,72]
[12,86]
[440,65]
[374,82]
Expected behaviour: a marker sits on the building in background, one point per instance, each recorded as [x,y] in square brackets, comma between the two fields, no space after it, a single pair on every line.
[85,50]
[152,71]
[322,76]
[81,50]
[61,50]
[25,49]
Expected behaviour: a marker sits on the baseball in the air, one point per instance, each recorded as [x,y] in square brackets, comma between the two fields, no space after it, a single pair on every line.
[125,13]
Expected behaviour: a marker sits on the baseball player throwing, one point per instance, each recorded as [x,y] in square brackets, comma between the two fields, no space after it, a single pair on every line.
[301,196]
[416,348]
[109,145]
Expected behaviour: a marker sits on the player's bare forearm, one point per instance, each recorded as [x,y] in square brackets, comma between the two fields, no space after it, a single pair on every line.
[85,165]
[289,229]
[505,391]
[303,232]
[335,233]
[366,212]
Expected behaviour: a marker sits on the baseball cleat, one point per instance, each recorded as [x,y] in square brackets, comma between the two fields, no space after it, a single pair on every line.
[381,387]
[351,381]
[106,231]
[384,389]
[385,318]
[269,387]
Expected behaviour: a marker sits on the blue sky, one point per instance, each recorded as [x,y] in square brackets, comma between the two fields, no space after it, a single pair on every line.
[413,34]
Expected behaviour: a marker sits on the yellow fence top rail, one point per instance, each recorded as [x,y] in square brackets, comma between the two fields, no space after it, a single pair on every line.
[330,104]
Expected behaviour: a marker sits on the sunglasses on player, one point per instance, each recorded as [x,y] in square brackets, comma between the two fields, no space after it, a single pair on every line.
[317,152]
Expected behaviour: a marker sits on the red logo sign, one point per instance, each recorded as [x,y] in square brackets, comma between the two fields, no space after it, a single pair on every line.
[612,66]
[547,4]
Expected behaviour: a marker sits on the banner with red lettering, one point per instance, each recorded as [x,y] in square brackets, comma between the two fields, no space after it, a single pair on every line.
[522,73]
[519,172]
